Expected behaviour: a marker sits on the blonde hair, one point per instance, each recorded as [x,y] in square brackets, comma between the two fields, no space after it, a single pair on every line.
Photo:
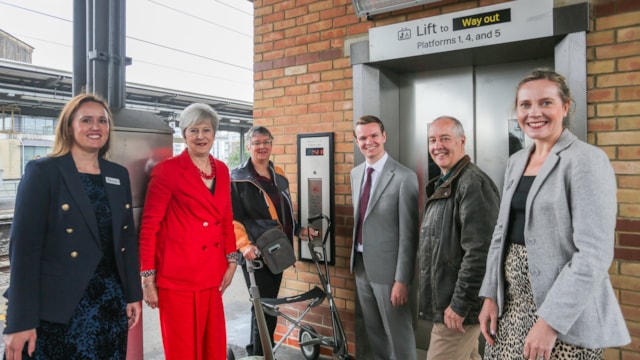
[64,136]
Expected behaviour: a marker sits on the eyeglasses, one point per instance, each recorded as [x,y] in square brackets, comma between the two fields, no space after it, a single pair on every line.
[266,143]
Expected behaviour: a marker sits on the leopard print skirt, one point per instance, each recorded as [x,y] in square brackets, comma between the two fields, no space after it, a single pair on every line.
[520,314]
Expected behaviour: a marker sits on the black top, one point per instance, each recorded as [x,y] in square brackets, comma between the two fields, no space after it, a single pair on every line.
[272,190]
[517,213]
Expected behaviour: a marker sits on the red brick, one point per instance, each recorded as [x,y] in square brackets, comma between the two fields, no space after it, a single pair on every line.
[629,64]
[600,38]
[273,36]
[308,78]
[629,93]
[601,95]
[628,225]
[308,99]
[629,153]
[617,21]
[629,181]
[604,124]
[628,34]
[271,55]
[297,50]
[296,90]
[308,58]
[284,44]
[296,12]
[295,32]
[284,24]
[627,254]
[307,38]
[307,19]
[320,107]
[284,82]
[334,12]
[618,50]
[629,240]
[297,109]
[271,18]
[320,66]
[319,46]
[284,62]
[320,26]
[262,66]
[320,87]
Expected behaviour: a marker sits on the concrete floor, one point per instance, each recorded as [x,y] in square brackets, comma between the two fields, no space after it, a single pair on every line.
[237,312]
[237,309]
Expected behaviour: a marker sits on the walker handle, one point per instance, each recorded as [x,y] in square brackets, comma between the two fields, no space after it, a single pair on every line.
[317,217]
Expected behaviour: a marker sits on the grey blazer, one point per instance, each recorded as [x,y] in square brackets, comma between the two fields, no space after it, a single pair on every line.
[569,234]
[390,227]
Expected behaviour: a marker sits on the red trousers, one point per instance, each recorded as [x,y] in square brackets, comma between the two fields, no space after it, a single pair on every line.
[192,324]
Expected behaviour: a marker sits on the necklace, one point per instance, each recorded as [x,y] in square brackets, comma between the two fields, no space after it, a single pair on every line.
[203,174]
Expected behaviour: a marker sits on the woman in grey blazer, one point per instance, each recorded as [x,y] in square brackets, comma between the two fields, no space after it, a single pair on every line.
[546,288]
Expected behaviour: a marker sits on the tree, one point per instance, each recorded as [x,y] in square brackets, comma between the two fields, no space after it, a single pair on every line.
[234,157]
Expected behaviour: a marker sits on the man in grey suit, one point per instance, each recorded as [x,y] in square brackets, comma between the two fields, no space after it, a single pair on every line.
[385,236]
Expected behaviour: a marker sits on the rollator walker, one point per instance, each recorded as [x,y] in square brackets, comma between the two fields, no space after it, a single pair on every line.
[309,339]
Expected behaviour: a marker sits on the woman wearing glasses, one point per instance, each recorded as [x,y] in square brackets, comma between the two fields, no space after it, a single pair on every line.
[187,246]
[260,196]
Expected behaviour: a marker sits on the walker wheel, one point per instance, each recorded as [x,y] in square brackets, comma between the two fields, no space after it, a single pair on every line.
[307,333]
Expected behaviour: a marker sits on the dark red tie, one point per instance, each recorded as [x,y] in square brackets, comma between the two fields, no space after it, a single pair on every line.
[364,202]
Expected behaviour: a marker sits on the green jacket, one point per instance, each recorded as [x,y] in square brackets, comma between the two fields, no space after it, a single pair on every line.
[455,234]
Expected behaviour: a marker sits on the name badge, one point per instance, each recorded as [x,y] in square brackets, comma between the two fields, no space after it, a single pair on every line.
[113,181]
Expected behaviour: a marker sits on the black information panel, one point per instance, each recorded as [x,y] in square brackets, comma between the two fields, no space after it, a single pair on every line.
[315,188]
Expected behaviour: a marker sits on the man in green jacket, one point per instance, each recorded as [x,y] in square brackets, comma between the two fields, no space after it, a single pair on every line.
[460,214]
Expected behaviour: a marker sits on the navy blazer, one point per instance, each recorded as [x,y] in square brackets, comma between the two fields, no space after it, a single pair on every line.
[55,245]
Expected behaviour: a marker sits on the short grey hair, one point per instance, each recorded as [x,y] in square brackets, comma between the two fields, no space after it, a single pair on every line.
[258,130]
[198,113]
[458,129]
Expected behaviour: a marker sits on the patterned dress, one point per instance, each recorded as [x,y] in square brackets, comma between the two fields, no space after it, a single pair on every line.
[520,314]
[98,328]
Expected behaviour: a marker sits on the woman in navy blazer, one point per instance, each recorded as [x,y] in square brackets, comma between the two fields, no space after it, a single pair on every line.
[187,243]
[546,287]
[74,290]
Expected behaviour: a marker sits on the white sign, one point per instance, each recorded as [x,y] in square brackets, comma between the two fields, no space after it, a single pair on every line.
[489,25]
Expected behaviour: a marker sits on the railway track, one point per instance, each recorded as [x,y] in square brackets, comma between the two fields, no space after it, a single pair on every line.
[4,263]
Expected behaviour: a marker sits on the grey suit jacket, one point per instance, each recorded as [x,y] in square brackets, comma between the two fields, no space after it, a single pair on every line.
[390,227]
[569,234]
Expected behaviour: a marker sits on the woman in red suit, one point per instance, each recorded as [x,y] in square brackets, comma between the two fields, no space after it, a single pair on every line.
[187,243]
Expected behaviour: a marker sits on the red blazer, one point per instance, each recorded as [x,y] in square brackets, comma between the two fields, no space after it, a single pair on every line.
[186,232]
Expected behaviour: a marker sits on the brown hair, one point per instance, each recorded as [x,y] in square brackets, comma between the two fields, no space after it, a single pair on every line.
[64,138]
[368,119]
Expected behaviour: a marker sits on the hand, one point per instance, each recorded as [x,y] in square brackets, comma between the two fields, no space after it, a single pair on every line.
[306,231]
[540,341]
[134,310]
[251,253]
[452,320]
[399,294]
[150,291]
[489,320]
[228,277]
[14,343]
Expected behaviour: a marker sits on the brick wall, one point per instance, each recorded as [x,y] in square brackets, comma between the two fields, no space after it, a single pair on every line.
[613,55]
[303,84]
